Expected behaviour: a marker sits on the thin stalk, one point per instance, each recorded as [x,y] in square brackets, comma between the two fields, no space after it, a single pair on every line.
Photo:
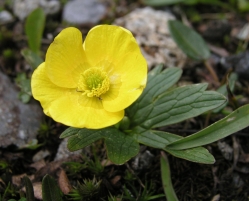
[166,179]
[211,70]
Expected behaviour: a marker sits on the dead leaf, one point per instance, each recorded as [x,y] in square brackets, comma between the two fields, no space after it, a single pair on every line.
[106,163]
[38,165]
[115,180]
[49,168]
[1,181]
[64,183]
[244,158]
[218,50]
[216,198]
[38,190]
[40,155]
[17,179]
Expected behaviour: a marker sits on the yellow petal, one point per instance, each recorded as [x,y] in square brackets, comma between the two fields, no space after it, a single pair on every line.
[78,110]
[108,42]
[44,90]
[65,58]
[132,73]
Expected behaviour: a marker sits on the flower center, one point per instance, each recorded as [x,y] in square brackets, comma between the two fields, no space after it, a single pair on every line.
[93,82]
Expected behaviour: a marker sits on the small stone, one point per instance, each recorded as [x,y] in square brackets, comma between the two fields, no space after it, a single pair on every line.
[19,122]
[63,153]
[50,7]
[237,180]
[84,12]
[226,150]
[5,17]
[22,8]
[244,32]
[142,161]
[240,63]
[40,155]
[215,30]
[150,28]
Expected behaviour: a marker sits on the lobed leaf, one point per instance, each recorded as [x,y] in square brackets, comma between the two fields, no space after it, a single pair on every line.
[160,140]
[156,139]
[232,123]
[158,83]
[120,147]
[70,132]
[197,154]
[83,138]
[177,105]
[190,42]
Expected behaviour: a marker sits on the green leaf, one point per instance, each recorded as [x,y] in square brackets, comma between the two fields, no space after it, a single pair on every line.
[223,90]
[34,27]
[23,82]
[191,43]
[160,140]
[25,86]
[50,189]
[156,139]
[29,189]
[120,147]
[224,5]
[177,105]
[158,83]
[232,123]
[243,5]
[166,179]
[24,97]
[161,2]
[32,144]
[70,132]
[197,154]
[82,138]
[32,58]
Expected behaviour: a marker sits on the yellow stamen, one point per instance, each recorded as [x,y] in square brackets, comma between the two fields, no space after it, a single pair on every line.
[93,82]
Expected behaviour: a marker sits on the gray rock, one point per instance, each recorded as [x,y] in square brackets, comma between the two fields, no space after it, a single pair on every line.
[5,17]
[84,12]
[19,122]
[150,28]
[22,8]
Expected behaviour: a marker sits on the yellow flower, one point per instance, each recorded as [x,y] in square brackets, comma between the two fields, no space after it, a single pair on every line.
[89,85]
